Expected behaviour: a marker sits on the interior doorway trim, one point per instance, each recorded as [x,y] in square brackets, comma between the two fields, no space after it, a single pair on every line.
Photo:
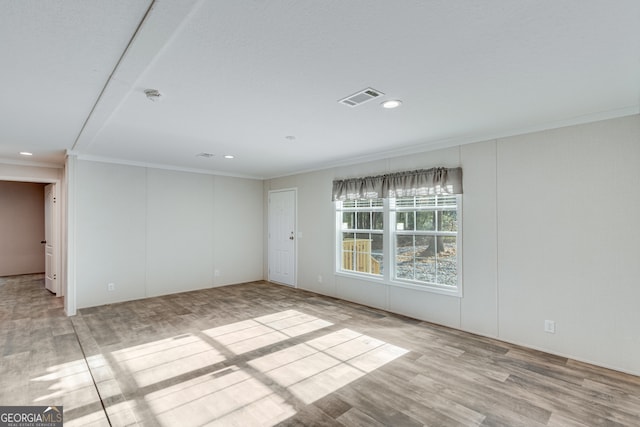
[61,276]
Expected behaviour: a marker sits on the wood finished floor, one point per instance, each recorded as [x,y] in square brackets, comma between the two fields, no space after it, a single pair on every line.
[264,354]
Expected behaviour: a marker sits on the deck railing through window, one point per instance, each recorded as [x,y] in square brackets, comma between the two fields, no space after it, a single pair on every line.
[356,256]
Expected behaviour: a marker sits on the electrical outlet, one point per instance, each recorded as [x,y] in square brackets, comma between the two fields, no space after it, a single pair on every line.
[550,326]
[216,273]
[111,287]
[319,278]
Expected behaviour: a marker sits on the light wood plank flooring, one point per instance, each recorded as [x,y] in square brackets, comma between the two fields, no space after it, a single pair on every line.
[264,354]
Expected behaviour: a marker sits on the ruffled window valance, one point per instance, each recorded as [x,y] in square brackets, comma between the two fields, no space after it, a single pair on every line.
[424,182]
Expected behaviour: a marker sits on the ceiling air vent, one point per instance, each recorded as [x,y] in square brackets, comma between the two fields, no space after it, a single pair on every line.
[361,97]
[205,155]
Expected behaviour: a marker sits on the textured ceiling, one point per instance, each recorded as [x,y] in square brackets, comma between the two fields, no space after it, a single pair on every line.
[238,77]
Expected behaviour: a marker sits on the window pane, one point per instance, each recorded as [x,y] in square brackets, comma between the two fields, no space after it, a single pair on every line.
[426,270]
[367,203]
[447,221]
[378,221]
[448,246]
[376,254]
[424,246]
[425,201]
[377,203]
[363,260]
[405,202]
[376,243]
[447,272]
[404,257]
[447,200]
[426,220]
[447,262]
[348,251]
[363,220]
[404,221]
[348,220]
[425,259]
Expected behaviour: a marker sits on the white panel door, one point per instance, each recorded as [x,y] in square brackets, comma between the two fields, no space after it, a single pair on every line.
[282,237]
[50,236]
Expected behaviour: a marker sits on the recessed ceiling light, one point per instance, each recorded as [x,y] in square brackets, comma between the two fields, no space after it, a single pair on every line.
[228,156]
[392,103]
[26,153]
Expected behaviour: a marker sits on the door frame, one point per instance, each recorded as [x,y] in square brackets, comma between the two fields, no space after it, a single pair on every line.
[295,233]
[62,285]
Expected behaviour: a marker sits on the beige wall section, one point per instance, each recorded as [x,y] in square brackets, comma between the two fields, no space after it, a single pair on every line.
[179,223]
[568,209]
[21,228]
[479,305]
[110,233]
[154,232]
[237,230]
[550,232]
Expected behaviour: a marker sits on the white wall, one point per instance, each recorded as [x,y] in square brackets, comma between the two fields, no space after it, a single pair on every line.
[154,232]
[237,230]
[179,220]
[539,241]
[568,206]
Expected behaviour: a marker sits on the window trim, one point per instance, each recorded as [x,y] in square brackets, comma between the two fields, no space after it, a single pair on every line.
[389,235]
[340,231]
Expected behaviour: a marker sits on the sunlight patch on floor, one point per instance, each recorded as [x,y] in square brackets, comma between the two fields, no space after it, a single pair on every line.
[249,335]
[243,393]
[321,366]
[71,378]
[71,386]
[162,360]
[230,396]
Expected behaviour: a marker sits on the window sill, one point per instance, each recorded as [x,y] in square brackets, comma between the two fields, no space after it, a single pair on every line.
[442,290]
[453,292]
[362,276]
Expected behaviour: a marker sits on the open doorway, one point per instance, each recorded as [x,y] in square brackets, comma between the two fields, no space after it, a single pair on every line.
[29,230]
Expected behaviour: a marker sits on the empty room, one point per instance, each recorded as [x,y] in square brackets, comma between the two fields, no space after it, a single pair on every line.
[320,213]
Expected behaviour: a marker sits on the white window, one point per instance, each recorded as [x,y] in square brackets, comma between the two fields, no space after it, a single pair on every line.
[410,241]
[425,240]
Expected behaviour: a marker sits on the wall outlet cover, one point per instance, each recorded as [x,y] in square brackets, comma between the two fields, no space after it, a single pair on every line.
[550,326]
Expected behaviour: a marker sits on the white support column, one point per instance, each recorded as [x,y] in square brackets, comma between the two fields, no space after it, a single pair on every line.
[70,182]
